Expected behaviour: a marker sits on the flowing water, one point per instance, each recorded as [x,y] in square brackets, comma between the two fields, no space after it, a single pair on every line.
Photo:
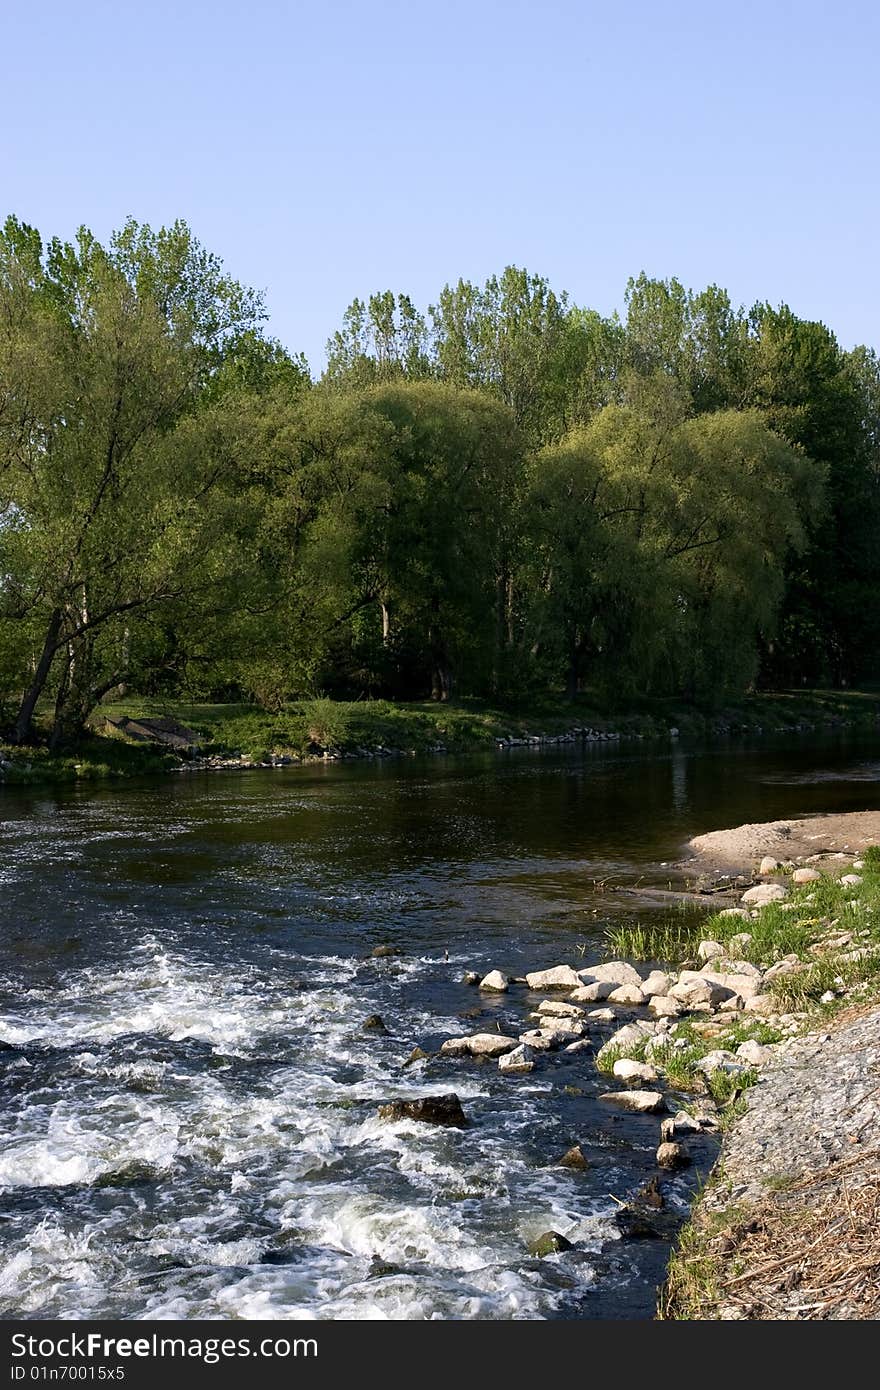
[188,1124]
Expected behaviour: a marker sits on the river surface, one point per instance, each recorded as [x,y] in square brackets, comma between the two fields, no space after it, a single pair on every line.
[188,1124]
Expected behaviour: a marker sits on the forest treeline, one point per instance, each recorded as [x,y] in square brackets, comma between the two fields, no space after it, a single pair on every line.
[505,495]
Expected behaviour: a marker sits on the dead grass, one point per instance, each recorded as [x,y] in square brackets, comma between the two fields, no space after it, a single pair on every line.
[809,1251]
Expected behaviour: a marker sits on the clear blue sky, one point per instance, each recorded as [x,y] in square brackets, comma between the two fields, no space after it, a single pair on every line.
[326,150]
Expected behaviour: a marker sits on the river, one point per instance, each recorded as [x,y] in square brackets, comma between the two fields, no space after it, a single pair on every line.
[189,1124]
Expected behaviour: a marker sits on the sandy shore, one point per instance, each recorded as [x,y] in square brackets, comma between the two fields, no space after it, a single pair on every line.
[784,839]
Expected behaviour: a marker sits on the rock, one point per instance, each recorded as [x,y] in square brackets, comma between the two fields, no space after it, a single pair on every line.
[672,1155]
[559,1010]
[764,893]
[720,1060]
[733,912]
[627,1070]
[630,1035]
[380,952]
[582,1045]
[374,1024]
[739,942]
[768,865]
[851,880]
[617,972]
[764,1005]
[602,1015]
[627,994]
[805,876]
[658,983]
[417,1055]
[573,1158]
[742,982]
[697,994]
[754,1053]
[789,965]
[828,997]
[592,994]
[558,977]
[663,1006]
[429,1110]
[667,1129]
[544,1039]
[858,863]
[710,950]
[641,1102]
[479,1045]
[495,982]
[550,1243]
[519,1061]
[470,977]
[685,1123]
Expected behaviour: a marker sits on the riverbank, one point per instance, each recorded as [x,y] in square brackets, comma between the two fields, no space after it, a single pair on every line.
[786,1226]
[240,737]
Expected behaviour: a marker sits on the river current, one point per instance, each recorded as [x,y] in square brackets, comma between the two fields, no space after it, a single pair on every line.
[189,1121]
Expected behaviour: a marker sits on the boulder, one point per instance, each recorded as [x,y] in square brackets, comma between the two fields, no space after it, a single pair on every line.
[664,1006]
[552,1009]
[380,952]
[764,893]
[517,1062]
[719,1060]
[657,983]
[851,880]
[733,912]
[479,1045]
[582,1045]
[685,1123]
[671,1155]
[429,1110]
[592,994]
[764,1005]
[617,972]
[627,994]
[625,1069]
[602,1015]
[544,1039]
[550,1243]
[697,993]
[573,1158]
[734,981]
[805,876]
[495,982]
[754,1053]
[418,1054]
[710,950]
[768,865]
[557,977]
[641,1102]
[374,1024]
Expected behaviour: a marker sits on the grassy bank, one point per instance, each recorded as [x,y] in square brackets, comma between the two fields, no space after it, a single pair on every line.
[823,939]
[350,728]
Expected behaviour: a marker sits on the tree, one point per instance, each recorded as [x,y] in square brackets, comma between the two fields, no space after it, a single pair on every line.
[112,466]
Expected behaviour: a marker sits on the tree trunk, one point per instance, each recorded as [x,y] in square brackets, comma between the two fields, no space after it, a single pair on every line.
[23,728]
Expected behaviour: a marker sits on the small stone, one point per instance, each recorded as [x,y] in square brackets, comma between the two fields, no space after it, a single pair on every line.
[663,1006]
[672,1155]
[768,865]
[495,982]
[754,1053]
[582,1045]
[627,994]
[374,1024]
[519,1061]
[720,1060]
[733,912]
[429,1110]
[602,1015]
[417,1055]
[710,950]
[685,1123]
[550,1243]
[805,876]
[858,863]
[851,880]
[737,944]
[470,977]
[544,1039]
[558,977]
[641,1102]
[625,1069]
[764,893]
[573,1158]
[828,997]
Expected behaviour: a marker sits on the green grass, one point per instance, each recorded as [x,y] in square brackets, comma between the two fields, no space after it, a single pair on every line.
[659,941]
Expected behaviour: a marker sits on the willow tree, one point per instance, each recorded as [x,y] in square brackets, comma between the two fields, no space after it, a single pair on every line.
[111,465]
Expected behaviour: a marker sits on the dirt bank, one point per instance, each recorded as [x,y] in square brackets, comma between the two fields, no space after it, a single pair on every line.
[739,849]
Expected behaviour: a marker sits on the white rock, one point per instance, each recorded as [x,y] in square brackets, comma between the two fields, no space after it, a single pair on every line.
[592,994]
[627,1070]
[805,876]
[582,1045]
[739,942]
[858,863]
[764,1005]
[768,865]
[697,993]
[627,994]
[658,982]
[720,1060]
[602,1015]
[764,893]
[557,977]
[544,1039]
[554,1009]
[733,912]
[642,1102]
[495,982]
[480,1045]
[619,972]
[709,950]
[754,1053]
[664,1006]
[744,983]
[517,1062]
[683,1123]
[828,997]
[851,880]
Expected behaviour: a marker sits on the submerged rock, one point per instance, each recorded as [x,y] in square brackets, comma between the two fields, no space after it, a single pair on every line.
[374,1024]
[479,1045]
[672,1155]
[418,1054]
[429,1110]
[548,1244]
[573,1158]
[641,1102]
[380,952]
